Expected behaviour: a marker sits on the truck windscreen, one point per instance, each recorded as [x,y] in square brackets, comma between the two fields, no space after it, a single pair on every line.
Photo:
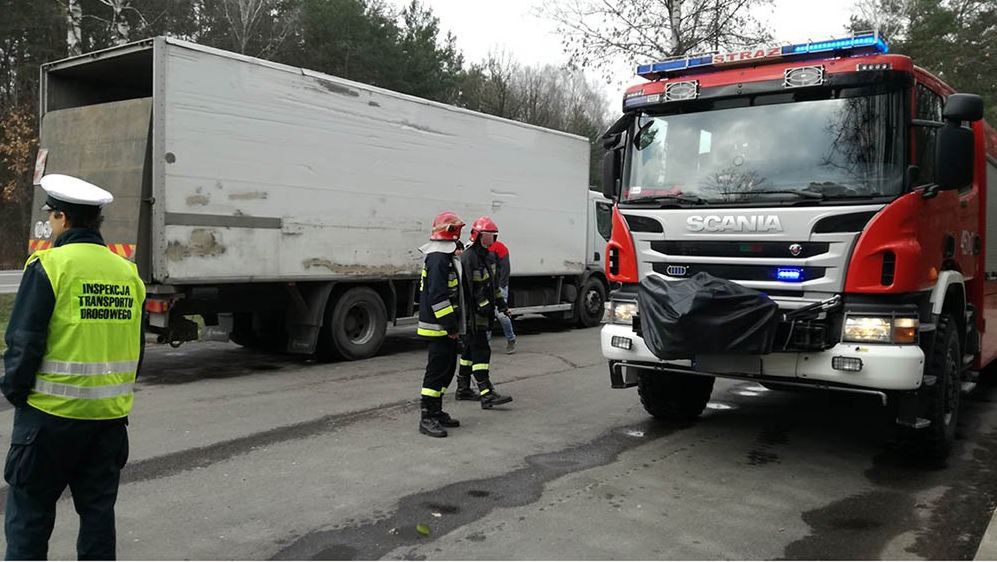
[770,148]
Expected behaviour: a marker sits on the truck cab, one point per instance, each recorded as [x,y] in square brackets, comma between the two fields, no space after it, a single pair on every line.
[837,184]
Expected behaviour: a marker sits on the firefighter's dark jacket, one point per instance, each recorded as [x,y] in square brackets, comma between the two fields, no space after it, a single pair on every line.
[27,331]
[480,273]
[439,293]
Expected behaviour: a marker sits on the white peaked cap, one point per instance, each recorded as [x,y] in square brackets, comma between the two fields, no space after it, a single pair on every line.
[75,191]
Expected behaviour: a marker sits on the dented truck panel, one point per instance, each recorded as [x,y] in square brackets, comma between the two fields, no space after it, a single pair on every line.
[277,173]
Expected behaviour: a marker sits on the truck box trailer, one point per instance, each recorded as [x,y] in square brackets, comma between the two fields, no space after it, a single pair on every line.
[287,206]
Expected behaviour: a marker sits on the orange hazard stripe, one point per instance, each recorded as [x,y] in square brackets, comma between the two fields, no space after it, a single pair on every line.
[36,245]
[124,250]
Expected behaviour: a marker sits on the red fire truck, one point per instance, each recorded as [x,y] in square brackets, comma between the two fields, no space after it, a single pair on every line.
[804,215]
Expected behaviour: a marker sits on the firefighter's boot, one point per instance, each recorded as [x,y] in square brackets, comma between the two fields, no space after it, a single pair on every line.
[464,391]
[429,424]
[445,419]
[490,398]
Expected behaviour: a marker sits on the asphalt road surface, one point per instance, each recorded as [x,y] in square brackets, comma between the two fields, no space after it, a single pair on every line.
[9,280]
[238,454]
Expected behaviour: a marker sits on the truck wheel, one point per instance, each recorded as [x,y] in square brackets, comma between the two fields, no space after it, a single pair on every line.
[673,397]
[356,324]
[940,403]
[591,304]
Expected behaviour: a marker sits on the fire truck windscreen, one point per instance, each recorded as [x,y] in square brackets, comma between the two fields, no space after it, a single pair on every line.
[732,150]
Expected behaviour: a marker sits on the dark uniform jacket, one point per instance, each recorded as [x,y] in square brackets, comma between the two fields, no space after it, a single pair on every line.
[440,311]
[483,294]
[27,331]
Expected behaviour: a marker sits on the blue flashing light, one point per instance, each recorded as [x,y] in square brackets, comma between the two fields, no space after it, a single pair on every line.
[867,41]
[672,65]
[871,40]
[791,274]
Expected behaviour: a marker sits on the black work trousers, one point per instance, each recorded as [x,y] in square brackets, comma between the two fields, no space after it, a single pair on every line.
[440,369]
[476,356]
[49,453]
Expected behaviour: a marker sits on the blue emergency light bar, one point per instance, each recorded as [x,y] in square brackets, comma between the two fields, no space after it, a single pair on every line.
[869,41]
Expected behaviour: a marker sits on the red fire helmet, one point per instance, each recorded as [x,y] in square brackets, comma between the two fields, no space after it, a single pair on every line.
[483,224]
[446,226]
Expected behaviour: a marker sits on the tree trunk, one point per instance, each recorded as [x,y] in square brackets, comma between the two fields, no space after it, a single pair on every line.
[675,22]
[74,38]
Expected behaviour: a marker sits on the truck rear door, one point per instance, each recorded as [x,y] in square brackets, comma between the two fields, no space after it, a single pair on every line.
[99,131]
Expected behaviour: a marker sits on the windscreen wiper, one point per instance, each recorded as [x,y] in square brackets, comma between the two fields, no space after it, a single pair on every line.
[661,199]
[802,193]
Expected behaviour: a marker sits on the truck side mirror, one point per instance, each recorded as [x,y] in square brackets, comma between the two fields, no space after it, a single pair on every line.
[611,164]
[963,107]
[955,144]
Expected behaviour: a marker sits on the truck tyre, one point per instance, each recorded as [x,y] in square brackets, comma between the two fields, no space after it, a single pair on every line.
[356,324]
[673,397]
[940,402]
[591,303]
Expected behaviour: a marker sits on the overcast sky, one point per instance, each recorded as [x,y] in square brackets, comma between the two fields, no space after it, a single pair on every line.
[484,26]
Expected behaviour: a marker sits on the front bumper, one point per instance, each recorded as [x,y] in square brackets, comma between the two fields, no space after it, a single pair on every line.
[884,367]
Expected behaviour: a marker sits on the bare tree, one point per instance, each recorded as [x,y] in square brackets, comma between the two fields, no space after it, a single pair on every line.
[888,17]
[597,33]
[118,27]
[247,18]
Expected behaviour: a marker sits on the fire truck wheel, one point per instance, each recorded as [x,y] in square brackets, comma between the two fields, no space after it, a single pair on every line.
[940,402]
[673,397]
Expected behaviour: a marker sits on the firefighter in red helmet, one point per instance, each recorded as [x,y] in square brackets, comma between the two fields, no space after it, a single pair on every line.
[484,300]
[441,320]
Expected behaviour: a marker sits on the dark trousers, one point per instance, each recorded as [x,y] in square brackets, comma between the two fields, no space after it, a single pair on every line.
[439,371]
[474,360]
[47,454]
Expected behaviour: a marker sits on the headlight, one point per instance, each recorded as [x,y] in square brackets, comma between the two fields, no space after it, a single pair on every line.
[622,312]
[881,329]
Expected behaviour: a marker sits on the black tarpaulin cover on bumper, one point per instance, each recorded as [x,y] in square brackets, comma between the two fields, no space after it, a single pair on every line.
[704,315]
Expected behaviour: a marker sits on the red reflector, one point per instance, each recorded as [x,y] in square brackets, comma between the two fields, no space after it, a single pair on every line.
[157,306]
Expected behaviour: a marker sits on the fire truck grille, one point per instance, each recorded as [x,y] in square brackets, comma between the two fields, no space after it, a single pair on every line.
[737,272]
[728,249]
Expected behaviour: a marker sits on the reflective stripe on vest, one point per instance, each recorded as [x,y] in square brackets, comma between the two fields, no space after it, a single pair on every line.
[86,392]
[70,368]
[94,335]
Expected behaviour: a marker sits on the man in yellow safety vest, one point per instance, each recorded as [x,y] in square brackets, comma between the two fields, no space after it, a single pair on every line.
[74,344]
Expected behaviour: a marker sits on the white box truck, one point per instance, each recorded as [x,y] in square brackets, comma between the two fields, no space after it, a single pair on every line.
[287,206]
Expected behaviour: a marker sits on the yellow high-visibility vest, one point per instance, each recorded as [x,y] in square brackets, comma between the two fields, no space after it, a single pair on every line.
[94,340]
